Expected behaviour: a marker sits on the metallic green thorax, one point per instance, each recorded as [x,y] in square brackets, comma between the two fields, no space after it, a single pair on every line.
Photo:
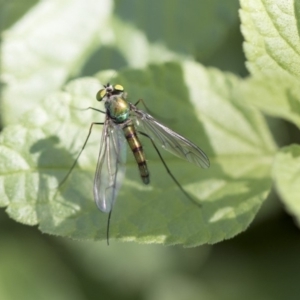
[118,109]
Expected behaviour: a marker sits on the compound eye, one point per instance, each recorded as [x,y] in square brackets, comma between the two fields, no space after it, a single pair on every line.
[118,88]
[101,94]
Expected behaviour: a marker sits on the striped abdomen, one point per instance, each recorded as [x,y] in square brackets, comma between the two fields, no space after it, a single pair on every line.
[137,150]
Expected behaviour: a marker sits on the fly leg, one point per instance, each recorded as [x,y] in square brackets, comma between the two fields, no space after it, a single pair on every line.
[86,140]
[153,114]
[143,102]
[169,171]
[93,108]
[75,162]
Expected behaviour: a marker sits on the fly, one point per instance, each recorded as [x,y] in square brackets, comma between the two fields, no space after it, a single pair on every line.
[122,119]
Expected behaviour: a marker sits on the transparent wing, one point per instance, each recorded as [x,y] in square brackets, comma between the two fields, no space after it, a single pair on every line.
[170,140]
[110,169]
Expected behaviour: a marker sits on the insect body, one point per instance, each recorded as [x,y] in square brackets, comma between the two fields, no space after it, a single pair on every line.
[123,120]
[118,110]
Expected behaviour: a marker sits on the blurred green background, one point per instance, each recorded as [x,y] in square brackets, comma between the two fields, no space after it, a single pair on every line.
[262,263]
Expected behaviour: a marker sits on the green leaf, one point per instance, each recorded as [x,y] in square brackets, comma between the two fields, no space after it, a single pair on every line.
[274,96]
[271,32]
[272,48]
[200,104]
[286,176]
[12,11]
[53,43]
[200,27]
[45,48]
